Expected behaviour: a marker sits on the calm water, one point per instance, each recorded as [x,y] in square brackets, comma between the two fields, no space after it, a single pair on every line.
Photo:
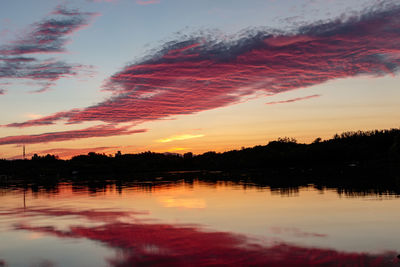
[196,224]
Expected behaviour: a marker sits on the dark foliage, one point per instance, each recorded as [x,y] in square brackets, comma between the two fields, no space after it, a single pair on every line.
[366,154]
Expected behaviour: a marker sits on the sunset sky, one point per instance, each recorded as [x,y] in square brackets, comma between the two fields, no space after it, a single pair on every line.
[193,75]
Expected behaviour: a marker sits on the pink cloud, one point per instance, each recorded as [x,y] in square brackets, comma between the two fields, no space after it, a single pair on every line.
[48,120]
[292,100]
[203,73]
[148,2]
[95,131]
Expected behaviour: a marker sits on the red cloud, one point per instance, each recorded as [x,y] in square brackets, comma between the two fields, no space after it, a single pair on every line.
[204,73]
[48,120]
[292,100]
[95,131]
[146,244]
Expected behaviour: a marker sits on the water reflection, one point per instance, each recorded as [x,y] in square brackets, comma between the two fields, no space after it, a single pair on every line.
[284,189]
[146,244]
[181,222]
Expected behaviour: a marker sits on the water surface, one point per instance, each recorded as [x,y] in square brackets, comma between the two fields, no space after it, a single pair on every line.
[196,223]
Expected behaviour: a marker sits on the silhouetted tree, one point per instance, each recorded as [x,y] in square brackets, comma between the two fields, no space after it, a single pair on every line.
[375,151]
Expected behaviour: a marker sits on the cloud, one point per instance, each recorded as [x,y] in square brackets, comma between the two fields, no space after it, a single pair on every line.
[175,149]
[47,120]
[292,100]
[180,137]
[147,2]
[204,72]
[2,90]
[160,244]
[33,115]
[45,88]
[95,131]
[47,36]
[39,70]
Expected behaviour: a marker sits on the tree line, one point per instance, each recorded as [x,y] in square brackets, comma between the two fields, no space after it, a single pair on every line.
[362,152]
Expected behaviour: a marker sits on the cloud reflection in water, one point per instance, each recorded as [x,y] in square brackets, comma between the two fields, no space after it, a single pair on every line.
[160,244]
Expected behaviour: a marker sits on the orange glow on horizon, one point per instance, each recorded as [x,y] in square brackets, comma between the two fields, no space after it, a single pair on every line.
[180,137]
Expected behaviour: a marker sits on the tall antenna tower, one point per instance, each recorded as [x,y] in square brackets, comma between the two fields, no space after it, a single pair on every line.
[23,151]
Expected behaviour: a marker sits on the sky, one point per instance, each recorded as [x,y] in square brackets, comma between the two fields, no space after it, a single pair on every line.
[184,75]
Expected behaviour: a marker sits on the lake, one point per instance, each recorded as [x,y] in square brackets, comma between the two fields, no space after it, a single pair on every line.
[196,223]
